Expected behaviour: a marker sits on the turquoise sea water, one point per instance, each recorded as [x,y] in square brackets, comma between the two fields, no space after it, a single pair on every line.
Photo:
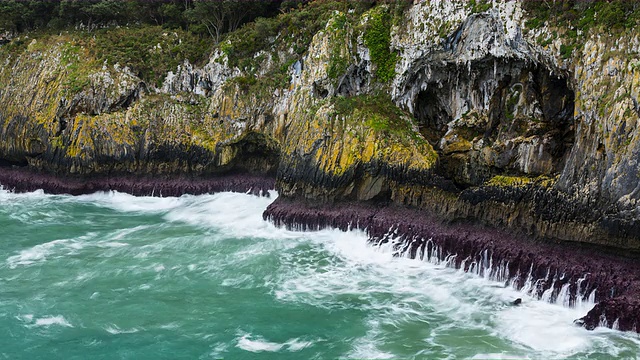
[112,276]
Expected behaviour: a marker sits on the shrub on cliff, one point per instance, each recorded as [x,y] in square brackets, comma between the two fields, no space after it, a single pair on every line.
[150,51]
[584,14]
[377,37]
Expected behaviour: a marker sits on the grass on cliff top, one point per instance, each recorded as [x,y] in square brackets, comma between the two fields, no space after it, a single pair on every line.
[288,36]
[583,15]
[294,30]
[149,51]
[575,18]
[283,39]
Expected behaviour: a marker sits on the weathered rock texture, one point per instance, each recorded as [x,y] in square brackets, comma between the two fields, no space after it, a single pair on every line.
[24,180]
[481,123]
[543,270]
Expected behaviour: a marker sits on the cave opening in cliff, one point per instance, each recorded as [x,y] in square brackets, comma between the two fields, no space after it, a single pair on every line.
[255,153]
[498,118]
[558,106]
[432,115]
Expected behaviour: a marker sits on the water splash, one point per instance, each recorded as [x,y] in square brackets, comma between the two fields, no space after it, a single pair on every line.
[202,267]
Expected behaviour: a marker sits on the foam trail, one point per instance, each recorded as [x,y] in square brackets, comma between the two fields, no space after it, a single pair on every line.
[368,272]
[129,203]
[258,344]
[361,269]
[331,270]
[47,321]
[484,267]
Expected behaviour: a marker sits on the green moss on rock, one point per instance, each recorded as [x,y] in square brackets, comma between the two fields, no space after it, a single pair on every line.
[377,37]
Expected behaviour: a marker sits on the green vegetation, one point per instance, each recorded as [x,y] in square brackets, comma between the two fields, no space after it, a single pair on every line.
[202,17]
[284,39]
[510,106]
[263,86]
[381,113]
[152,37]
[584,14]
[150,51]
[578,17]
[503,180]
[478,6]
[294,29]
[520,181]
[77,77]
[338,63]
[377,37]
[567,50]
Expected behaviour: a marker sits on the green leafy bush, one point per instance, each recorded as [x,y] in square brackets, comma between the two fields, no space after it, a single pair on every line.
[150,51]
[377,37]
[294,29]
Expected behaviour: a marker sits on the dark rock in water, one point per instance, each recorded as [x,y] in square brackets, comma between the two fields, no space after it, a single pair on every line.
[24,180]
[621,313]
[516,302]
[612,281]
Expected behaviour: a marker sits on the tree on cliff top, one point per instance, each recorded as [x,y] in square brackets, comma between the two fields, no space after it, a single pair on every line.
[219,17]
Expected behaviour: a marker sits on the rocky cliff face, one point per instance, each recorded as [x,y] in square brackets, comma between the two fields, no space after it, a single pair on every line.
[457,112]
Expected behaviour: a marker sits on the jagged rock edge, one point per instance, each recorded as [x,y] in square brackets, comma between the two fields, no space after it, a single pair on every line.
[613,283]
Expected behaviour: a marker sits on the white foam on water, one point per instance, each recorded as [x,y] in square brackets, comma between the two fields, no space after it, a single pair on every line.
[52,320]
[40,252]
[28,318]
[237,281]
[366,347]
[372,276]
[400,290]
[498,356]
[32,255]
[6,195]
[257,344]
[128,203]
[170,326]
[124,233]
[68,247]
[218,350]
[340,269]
[115,330]
[112,244]
[297,344]
[61,248]
[545,327]
[236,214]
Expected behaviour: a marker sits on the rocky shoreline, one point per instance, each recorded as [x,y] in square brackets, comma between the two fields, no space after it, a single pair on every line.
[25,180]
[554,271]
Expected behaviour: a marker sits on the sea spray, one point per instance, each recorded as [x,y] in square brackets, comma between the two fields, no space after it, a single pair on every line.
[205,276]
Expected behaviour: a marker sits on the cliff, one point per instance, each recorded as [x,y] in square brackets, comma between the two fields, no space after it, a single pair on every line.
[466,113]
